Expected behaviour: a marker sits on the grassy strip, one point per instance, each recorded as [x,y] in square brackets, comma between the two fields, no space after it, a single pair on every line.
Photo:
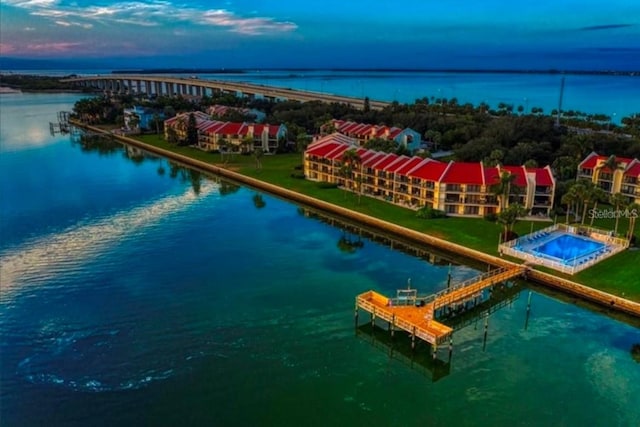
[619,275]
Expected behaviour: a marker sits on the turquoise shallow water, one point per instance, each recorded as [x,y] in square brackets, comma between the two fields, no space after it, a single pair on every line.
[128,299]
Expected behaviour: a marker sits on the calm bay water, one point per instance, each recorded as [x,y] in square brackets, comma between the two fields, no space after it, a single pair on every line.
[130,298]
[615,96]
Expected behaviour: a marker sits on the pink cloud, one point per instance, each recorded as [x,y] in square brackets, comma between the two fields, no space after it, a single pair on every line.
[59,47]
[6,48]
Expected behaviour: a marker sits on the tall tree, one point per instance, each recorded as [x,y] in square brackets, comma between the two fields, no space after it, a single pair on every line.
[569,199]
[617,200]
[351,160]
[508,218]
[192,130]
[599,195]
[587,199]
[502,188]
[257,155]
[633,211]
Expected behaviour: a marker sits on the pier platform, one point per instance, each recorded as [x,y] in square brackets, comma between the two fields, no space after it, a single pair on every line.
[416,314]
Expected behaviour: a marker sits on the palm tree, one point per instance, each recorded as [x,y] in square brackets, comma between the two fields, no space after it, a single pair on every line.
[223,146]
[633,211]
[588,196]
[617,200]
[570,199]
[156,120]
[247,144]
[612,164]
[257,154]
[508,218]
[351,162]
[503,188]
[599,195]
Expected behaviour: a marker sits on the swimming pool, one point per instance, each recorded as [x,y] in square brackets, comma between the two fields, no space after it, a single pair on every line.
[568,248]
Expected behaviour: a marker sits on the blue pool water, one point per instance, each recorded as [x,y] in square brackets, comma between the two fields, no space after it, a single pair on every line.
[568,247]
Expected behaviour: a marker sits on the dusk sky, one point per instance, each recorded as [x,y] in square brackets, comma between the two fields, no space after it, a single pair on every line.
[563,34]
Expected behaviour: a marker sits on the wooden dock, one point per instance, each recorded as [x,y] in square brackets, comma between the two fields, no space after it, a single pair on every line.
[416,314]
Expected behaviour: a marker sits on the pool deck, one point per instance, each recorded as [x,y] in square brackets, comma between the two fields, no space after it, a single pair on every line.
[525,248]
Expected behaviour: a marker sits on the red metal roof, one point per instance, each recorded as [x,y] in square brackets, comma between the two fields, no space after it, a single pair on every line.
[464,173]
[633,170]
[397,164]
[370,160]
[393,132]
[321,150]
[387,160]
[593,159]
[491,175]
[590,162]
[337,153]
[408,165]
[430,171]
[520,176]
[213,127]
[543,176]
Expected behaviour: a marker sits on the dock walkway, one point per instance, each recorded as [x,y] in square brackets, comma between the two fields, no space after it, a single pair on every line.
[415,314]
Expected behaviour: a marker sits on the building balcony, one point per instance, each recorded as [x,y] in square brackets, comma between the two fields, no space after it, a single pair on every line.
[473,189]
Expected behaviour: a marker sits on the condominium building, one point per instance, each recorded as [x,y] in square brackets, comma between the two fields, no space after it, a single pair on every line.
[363,133]
[624,178]
[211,133]
[457,188]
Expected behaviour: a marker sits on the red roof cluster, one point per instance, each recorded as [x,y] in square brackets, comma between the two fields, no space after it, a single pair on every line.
[333,146]
[204,124]
[594,159]
[221,110]
[364,130]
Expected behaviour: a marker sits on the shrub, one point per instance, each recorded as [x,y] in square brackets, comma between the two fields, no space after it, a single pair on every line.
[297,175]
[491,217]
[327,185]
[427,212]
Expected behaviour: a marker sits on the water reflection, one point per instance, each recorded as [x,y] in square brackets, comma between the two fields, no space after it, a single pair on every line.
[354,235]
[95,143]
[398,348]
[398,345]
[635,352]
[350,244]
[48,256]
[92,143]
[258,201]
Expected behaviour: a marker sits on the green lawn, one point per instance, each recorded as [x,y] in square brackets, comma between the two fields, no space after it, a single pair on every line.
[619,274]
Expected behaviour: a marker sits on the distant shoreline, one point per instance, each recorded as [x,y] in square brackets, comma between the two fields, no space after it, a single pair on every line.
[375,70]
[5,89]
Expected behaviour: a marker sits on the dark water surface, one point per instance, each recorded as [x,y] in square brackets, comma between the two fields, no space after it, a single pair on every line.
[130,298]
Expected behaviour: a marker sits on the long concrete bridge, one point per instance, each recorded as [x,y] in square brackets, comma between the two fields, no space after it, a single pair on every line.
[174,86]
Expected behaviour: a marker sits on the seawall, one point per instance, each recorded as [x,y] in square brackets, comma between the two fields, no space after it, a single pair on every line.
[613,302]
